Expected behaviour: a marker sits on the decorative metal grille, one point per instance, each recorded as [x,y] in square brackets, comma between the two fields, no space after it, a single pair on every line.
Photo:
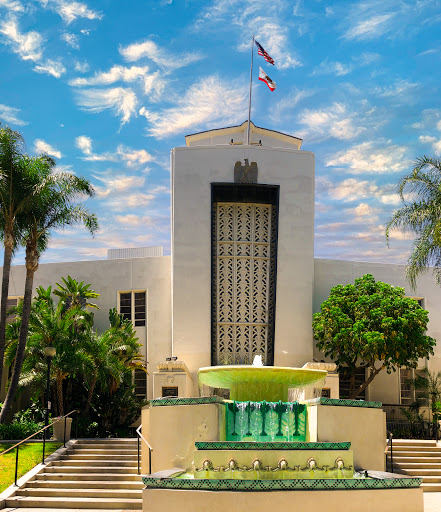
[244,270]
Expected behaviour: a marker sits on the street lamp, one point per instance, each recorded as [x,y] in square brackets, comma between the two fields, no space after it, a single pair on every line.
[49,353]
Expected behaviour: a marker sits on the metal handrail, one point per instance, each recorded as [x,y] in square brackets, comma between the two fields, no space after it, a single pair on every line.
[140,436]
[44,440]
[389,443]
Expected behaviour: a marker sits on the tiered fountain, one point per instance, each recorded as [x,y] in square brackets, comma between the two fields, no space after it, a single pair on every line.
[257,446]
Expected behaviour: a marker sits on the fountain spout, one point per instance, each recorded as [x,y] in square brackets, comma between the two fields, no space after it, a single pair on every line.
[258,361]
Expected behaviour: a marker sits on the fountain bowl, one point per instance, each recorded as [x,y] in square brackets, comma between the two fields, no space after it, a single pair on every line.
[258,383]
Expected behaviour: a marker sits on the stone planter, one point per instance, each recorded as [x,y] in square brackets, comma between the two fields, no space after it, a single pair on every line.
[59,430]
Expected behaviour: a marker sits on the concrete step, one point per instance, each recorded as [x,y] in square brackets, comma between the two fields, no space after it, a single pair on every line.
[95,457]
[114,477]
[89,463]
[110,441]
[415,442]
[416,465]
[80,493]
[421,472]
[434,449]
[111,450]
[431,487]
[85,469]
[402,460]
[86,484]
[74,503]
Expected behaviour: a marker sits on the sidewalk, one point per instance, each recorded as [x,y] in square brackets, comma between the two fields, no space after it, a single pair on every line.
[432,502]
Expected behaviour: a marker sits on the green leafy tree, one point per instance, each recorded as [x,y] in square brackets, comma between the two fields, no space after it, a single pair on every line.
[371,324]
[421,217]
[429,387]
[53,208]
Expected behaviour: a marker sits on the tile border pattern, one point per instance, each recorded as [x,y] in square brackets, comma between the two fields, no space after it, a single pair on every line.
[186,401]
[280,484]
[251,445]
[342,402]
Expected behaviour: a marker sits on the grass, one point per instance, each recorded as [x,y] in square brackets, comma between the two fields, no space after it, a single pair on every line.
[29,456]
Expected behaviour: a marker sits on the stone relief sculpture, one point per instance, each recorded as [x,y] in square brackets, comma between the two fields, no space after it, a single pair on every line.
[245,173]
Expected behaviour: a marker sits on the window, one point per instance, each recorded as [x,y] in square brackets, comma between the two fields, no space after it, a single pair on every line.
[360,376]
[140,381]
[12,302]
[132,306]
[408,393]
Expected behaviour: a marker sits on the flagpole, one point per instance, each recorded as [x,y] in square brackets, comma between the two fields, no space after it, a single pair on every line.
[251,83]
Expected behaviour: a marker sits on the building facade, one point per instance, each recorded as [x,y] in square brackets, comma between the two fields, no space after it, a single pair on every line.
[241,279]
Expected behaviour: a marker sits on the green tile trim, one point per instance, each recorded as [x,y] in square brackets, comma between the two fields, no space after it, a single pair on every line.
[278,485]
[250,445]
[350,403]
[186,401]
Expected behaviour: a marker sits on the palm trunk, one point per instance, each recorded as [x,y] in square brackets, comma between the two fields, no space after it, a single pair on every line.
[4,300]
[21,347]
[90,394]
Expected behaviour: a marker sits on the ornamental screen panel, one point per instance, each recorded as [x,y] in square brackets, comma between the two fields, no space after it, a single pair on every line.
[244,270]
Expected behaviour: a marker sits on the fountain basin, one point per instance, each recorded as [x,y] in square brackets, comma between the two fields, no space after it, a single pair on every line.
[258,383]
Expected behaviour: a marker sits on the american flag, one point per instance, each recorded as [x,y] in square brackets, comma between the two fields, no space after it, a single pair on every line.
[262,52]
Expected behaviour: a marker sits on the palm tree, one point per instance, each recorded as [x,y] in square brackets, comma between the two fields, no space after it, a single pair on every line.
[74,293]
[16,195]
[422,217]
[50,324]
[54,208]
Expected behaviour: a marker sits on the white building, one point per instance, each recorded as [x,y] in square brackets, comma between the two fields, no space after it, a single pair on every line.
[242,278]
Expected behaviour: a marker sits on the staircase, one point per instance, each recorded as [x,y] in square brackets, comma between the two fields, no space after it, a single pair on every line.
[419,458]
[94,474]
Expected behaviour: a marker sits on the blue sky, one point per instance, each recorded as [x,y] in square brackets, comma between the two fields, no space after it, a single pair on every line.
[109,87]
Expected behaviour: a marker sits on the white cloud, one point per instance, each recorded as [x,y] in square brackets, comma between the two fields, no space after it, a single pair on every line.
[371,158]
[331,68]
[12,5]
[84,144]
[334,121]
[51,67]
[436,143]
[398,89]
[81,67]
[71,40]
[115,74]
[161,57]
[118,185]
[40,146]
[69,11]
[284,107]
[209,102]
[133,220]
[362,210]
[132,157]
[347,190]
[369,28]
[27,45]
[122,101]
[10,115]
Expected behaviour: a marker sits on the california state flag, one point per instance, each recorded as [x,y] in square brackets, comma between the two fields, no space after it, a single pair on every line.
[265,78]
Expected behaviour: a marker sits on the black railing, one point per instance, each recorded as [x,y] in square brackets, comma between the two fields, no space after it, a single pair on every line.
[17,446]
[391,451]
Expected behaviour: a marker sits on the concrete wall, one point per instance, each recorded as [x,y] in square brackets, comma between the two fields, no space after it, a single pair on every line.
[108,277]
[329,273]
[365,428]
[173,430]
[193,171]
[379,500]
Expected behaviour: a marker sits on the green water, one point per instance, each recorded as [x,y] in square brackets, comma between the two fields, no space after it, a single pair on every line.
[265,421]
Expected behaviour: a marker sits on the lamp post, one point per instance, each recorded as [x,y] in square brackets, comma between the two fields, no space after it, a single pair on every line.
[49,352]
